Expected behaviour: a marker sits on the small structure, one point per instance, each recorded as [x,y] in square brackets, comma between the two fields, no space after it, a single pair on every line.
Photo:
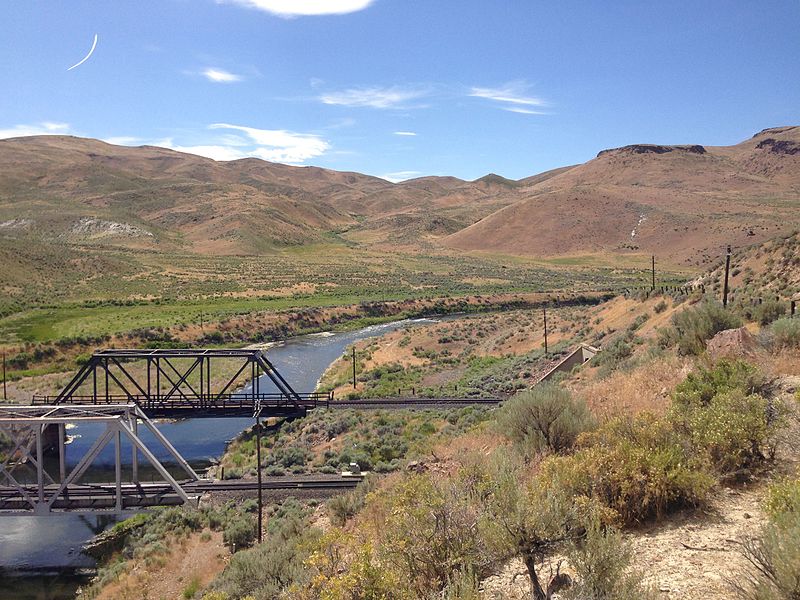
[582,354]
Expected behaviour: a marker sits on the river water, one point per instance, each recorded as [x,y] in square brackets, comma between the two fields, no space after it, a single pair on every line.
[39,555]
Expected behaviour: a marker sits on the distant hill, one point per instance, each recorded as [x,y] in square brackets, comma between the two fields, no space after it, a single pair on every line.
[684,203]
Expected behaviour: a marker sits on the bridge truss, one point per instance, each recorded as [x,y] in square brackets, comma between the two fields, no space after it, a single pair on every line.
[193,382]
[29,485]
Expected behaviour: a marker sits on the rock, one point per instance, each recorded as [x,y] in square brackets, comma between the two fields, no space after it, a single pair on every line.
[732,343]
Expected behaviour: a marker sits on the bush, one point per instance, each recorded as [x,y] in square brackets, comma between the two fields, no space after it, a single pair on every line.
[725,422]
[637,466]
[602,565]
[775,557]
[692,327]
[729,433]
[702,385]
[660,307]
[546,417]
[786,333]
[343,507]
[769,311]
[239,533]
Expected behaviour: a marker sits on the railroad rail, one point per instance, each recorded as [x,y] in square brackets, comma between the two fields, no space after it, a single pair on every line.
[103,496]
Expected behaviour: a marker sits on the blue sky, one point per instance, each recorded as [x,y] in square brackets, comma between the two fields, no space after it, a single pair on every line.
[401,88]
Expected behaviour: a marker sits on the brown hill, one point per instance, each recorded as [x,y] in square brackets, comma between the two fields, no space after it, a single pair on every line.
[87,191]
[684,203]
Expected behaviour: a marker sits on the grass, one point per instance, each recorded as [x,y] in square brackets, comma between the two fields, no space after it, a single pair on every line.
[54,291]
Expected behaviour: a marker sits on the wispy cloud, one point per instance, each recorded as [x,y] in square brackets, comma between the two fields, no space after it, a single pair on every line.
[405,133]
[513,97]
[398,176]
[220,75]
[43,128]
[304,8]
[374,97]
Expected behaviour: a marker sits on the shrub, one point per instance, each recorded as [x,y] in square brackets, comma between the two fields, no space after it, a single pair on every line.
[693,326]
[775,556]
[725,423]
[637,466]
[546,417]
[786,333]
[268,569]
[343,507]
[660,307]
[602,564]
[239,533]
[769,311]
[729,433]
[701,385]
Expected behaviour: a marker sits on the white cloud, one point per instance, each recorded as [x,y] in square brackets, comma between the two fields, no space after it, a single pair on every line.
[220,75]
[399,176]
[512,97]
[523,111]
[280,145]
[275,145]
[373,97]
[405,133]
[43,128]
[303,8]
[122,140]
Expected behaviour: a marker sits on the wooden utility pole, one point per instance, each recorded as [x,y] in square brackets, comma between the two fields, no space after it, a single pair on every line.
[727,274]
[544,311]
[258,470]
[654,273]
[354,367]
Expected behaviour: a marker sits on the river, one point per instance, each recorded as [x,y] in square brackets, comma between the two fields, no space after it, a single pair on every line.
[39,556]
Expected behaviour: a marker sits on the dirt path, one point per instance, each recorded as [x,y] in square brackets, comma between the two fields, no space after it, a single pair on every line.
[196,560]
[688,557]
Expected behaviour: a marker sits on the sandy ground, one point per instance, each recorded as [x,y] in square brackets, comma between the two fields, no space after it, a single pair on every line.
[190,559]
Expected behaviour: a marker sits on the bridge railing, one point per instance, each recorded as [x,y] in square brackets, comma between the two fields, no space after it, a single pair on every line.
[212,402]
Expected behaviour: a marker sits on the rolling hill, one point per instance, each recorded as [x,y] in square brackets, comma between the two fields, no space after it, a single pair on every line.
[684,203]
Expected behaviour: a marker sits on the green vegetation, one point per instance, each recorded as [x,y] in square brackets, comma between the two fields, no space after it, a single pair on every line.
[269,568]
[545,418]
[377,441]
[786,333]
[775,555]
[147,537]
[115,290]
[692,327]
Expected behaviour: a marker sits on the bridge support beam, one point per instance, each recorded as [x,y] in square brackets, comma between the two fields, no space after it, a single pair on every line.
[25,426]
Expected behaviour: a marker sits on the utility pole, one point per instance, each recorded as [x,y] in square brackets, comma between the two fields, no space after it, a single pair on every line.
[654,273]
[258,470]
[727,274]
[354,367]
[544,311]
[5,393]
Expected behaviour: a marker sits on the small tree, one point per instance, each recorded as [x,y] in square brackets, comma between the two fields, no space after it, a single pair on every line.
[602,564]
[528,520]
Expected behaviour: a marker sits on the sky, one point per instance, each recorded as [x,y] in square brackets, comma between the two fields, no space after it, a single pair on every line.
[400,88]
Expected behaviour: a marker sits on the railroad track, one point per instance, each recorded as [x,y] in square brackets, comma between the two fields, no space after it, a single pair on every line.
[405,403]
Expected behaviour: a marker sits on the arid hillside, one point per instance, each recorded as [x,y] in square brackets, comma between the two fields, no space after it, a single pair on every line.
[86,191]
[684,203]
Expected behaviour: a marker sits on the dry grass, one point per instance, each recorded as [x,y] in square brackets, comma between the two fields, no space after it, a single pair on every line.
[643,389]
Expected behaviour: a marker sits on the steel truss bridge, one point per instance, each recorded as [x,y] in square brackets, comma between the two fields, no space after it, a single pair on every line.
[190,382]
[32,429]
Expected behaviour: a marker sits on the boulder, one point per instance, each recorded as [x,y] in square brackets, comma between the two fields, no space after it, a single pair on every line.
[732,343]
